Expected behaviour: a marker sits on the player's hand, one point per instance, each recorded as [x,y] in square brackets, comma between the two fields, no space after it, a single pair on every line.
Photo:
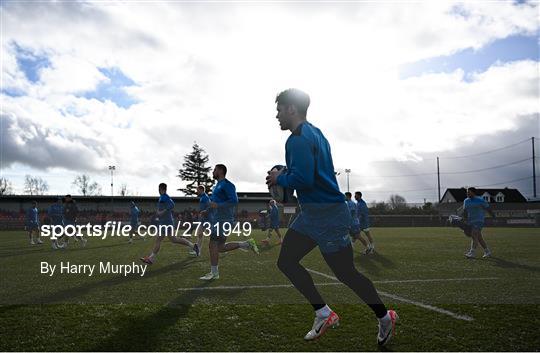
[271,178]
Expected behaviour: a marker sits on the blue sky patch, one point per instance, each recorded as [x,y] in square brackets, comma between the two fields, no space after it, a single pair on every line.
[114,89]
[30,63]
[509,49]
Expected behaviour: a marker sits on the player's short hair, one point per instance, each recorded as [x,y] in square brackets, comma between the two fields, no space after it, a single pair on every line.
[348,194]
[222,168]
[163,186]
[296,97]
[359,193]
[473,190]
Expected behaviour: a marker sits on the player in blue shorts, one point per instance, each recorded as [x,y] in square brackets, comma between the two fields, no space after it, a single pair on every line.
[474,208]
[204,216]
[324,219]
[56,217]
[32,223]
[223,203]
[355,223]
[134,220]
[166,228]
[273,212]
[363,218]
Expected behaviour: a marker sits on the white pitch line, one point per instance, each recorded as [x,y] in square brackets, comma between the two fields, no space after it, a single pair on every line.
[265,286]
[409,301]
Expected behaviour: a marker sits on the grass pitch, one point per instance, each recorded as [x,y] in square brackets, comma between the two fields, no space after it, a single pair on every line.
[445,301]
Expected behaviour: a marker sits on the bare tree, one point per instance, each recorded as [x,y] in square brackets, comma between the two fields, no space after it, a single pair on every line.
[397,202]
[35,185]
[86,186]
[5,187]
[124,190]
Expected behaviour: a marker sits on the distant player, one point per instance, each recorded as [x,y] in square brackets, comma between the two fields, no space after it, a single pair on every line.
[134,221]
[355,224]
[363,217]
[223,203]
[56,217]
[204,216]
[474,207]
[324,219]
[71,211]
[273,212]
[164,217]
[32,224]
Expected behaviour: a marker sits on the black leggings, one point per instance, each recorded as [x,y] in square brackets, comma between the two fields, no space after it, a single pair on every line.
[296,245]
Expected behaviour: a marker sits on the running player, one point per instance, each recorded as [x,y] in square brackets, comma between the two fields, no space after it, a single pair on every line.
[32,223]
[71,211]
[355,224]
[222,203]
[363,217]
[56,216]
[204,217]
[134,221]
[323,221]
[274,222]
[164,216]
[474,207]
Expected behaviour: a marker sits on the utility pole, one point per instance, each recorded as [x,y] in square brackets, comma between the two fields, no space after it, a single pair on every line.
[348,171]
[112,168]
[438,180]
[534,168]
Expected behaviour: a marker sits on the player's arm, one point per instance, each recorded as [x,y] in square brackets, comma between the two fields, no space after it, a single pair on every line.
[301,169]
[464,212]
[489,210]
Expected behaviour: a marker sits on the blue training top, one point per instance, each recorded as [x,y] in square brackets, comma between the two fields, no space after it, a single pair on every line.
[204,205]
[165,203]
[224,194]
[56,213]
[32,215]
[274,214]
[363,213]
[475,207]
[134,214]
[353,210]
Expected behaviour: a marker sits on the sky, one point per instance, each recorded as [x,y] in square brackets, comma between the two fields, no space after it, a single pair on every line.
[393,85]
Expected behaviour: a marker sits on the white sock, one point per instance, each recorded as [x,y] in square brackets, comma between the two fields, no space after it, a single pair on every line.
[323,312]
[244,245]
[214,269]
[385,318]
[152,256]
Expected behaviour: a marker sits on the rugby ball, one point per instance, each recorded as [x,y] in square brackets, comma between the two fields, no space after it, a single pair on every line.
[278,192]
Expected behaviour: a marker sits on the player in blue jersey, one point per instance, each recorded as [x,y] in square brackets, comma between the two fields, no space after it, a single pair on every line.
[56,217]
[204,216]
[223,203]
[355,223]
[32,223]
[363,218]
[164,214]
[273,213]
[323,221]
[474,208]
[71,212]
[134,221]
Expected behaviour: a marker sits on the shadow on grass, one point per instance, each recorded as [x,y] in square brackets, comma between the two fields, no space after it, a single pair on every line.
[48,249]
[145,332]
[508,264]
[374,263]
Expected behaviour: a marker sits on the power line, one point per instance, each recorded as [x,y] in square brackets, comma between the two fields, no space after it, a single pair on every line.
[505,182]
[489,168]
[487,152]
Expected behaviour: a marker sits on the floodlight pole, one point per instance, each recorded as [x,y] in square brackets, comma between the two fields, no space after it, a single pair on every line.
[438,180]
[112,168]
[348,171]
[534,168]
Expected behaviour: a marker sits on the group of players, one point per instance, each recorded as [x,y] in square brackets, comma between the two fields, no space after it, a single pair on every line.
[327,219]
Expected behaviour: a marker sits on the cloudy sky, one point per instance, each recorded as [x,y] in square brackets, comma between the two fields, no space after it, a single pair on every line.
[393,85]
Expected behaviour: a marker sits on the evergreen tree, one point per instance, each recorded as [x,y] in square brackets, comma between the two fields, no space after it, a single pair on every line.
[195,171]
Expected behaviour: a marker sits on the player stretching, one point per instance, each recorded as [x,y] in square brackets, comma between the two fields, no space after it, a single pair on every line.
[323,221]
[56,216]
[363,217]
[204,209]
[473,207]
[222,203]
[274,222]
[165,225]
[32,224]
[133,221]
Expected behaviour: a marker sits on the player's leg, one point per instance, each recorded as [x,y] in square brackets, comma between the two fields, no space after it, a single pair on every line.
[196,250]
[371,243]
[30,232]
[487,251]
[279,236]
[268,234]
[213,250]
[474,243]
[150,259]
[38,234]
[341,263]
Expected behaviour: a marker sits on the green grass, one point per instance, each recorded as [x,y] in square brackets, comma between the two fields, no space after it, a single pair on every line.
[113,312]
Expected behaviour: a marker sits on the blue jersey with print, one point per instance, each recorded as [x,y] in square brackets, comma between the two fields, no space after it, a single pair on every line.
[56,214]
[363,213]
[165,203]
[475,207]
[32,215]
[135,212]
[224,194]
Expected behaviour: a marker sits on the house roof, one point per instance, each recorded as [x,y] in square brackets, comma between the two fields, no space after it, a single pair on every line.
[510,195]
